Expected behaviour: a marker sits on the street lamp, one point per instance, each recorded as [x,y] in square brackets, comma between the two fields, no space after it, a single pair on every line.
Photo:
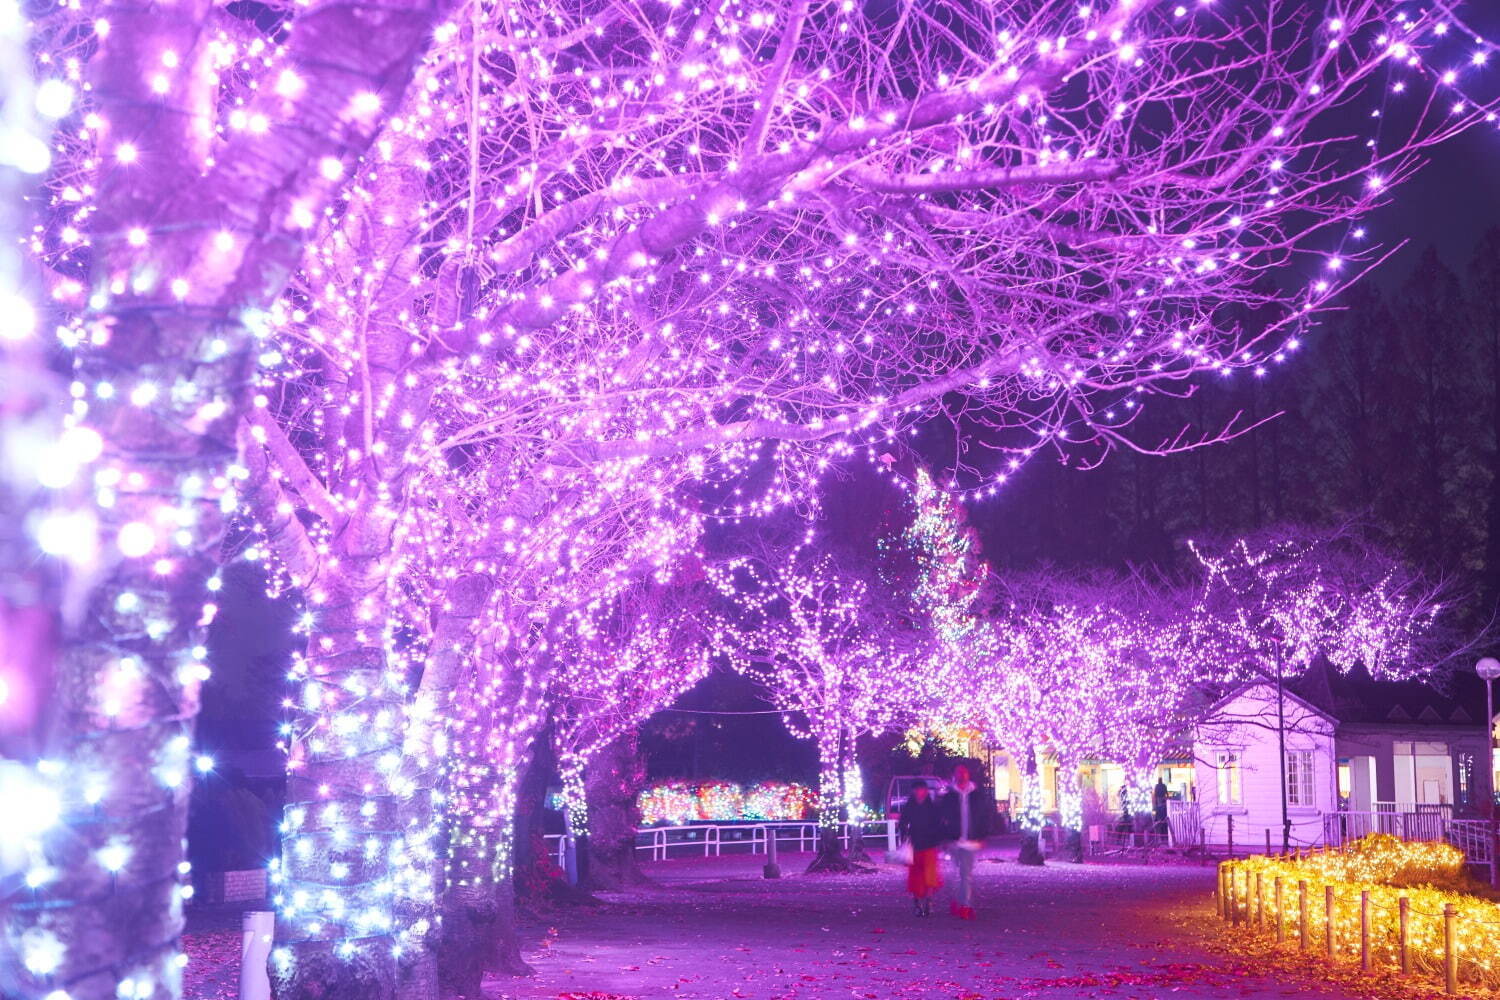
[1489,669]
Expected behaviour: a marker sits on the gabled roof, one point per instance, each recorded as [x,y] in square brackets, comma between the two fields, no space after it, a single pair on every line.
[1291,695]
[1356,697]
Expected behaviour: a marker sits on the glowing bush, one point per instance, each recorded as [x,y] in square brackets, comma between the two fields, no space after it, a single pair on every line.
[1389,870]
[720,801]
[675,803]
[777,800]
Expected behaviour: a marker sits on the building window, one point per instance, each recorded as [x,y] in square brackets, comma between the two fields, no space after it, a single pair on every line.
[1299,778]
[1228,764]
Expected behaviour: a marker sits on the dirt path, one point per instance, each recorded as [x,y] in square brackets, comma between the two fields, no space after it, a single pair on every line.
[713,928]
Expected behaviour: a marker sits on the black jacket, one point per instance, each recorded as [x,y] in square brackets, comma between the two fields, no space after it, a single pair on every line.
[922,823]
[981,813]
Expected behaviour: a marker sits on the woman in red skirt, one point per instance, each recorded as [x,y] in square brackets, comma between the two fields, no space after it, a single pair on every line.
[921,827]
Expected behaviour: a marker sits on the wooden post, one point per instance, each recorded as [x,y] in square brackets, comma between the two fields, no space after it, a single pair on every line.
[1450,949]
[1364,930]
[1234,903]
[1231,836]
[1328,915]
[1302,914]
[1260,902]
[1280,926]
[1219,894]
[1405,906]
[1268,841]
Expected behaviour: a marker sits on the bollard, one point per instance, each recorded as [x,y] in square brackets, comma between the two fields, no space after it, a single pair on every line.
[1405,938]
[255,980]
[1260,902]
[1233,898]
[1364,930]
[1328,915]
[1302,914]
[772,869]
[1280,929]
[1450,949]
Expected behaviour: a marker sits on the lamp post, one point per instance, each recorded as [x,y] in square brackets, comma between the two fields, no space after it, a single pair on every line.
[1489,668]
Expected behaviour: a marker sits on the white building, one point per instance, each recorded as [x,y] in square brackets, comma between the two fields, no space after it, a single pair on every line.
[1239,772]
[1360,756]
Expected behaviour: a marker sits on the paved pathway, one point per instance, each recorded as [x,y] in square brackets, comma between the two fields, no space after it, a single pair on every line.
[713,928]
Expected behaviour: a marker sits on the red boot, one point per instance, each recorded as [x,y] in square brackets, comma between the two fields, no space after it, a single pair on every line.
[966,912]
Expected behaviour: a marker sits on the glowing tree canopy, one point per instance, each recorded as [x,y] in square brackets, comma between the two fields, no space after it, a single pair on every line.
[836,657]
[1273,604]
[646,652]
[1083,668]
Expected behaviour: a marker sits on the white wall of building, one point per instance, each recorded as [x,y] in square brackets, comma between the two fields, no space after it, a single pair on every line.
[1240,735]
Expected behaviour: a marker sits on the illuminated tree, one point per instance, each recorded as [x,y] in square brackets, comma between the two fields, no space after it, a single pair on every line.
[172,236]
[647,652]
[833,656]
[1272,605]
[1084,667]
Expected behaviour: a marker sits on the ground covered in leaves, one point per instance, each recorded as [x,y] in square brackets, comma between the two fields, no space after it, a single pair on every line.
[714,928]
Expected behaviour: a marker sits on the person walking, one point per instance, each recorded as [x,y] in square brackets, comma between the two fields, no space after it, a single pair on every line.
[921,829]
[967,810]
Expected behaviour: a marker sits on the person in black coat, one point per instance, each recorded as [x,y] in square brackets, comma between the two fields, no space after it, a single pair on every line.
[967,813]
[921,826]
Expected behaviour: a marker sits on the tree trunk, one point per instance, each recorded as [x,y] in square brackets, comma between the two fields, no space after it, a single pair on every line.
[614,779]
[164,378]
[830,856]
[498,721]
[1031,814]
[340,942]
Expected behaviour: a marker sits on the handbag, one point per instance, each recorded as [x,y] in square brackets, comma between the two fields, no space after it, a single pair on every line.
[904,853]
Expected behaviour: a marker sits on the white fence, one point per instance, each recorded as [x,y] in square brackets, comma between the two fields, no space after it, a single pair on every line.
[711,839]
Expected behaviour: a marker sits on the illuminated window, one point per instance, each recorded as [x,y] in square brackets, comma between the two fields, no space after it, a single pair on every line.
[1299,778]
[1227,763]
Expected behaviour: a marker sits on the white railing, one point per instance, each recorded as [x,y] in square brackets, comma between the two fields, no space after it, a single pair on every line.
[1184,823]
[557,848]
[1424,824]
[1476,838]
[709,838]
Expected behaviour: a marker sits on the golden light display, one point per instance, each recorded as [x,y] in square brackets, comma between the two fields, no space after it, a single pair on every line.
[1382,915]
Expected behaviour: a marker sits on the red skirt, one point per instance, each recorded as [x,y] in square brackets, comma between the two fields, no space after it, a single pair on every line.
[922,879]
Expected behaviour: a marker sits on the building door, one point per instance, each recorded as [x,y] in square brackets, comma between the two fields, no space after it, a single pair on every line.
[1424,775]
[1356,777]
